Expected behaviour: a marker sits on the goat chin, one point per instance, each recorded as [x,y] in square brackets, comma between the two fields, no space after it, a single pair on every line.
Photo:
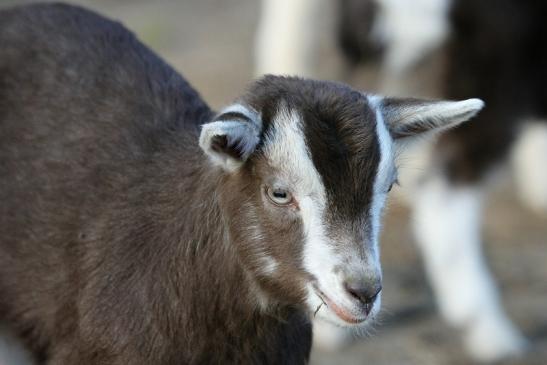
[329,337]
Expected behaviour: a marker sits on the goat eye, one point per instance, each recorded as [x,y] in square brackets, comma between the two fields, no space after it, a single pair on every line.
[279,196]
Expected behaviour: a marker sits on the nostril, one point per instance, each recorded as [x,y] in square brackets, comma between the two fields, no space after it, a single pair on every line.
[375,295]
[363,293]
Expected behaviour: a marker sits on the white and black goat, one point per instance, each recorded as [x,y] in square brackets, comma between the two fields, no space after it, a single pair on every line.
[139,227]
[491,49]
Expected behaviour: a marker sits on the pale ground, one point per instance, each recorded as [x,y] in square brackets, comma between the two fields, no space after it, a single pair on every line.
[210,43]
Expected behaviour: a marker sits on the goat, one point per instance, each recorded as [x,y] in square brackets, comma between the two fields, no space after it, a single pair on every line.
[140,227]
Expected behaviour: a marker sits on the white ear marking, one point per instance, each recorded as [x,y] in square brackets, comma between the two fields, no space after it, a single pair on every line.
[409,117]
[231,138]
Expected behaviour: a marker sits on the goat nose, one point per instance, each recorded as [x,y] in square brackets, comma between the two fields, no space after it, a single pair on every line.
[364,292]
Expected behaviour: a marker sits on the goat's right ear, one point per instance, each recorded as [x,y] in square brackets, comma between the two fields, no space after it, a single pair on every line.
[231,137]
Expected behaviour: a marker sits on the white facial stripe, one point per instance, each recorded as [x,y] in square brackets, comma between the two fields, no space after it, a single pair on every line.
[384,174]
[286,149]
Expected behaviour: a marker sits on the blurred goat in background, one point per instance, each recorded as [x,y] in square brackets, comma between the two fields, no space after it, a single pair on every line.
[494,49]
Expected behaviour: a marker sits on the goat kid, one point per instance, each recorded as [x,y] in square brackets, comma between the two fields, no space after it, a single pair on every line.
[139,227]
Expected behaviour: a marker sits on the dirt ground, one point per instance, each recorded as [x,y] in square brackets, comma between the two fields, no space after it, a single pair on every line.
[210,43]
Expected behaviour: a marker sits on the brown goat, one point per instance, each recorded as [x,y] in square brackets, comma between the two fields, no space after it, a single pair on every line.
[138,227]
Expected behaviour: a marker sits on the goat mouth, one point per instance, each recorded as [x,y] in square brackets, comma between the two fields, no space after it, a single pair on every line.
[341,312]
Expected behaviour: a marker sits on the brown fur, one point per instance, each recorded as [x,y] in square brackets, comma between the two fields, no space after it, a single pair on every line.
[112,247]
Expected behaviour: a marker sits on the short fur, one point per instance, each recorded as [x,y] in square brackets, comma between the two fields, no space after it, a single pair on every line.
[138,227]
[105,254]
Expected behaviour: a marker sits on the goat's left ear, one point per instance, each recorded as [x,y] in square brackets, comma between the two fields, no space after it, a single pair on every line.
[231,137]
[411,117]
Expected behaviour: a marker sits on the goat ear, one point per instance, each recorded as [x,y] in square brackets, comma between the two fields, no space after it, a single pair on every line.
[411,117]
[231,137]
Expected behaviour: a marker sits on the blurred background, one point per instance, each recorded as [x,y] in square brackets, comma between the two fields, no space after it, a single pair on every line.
[212,44]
